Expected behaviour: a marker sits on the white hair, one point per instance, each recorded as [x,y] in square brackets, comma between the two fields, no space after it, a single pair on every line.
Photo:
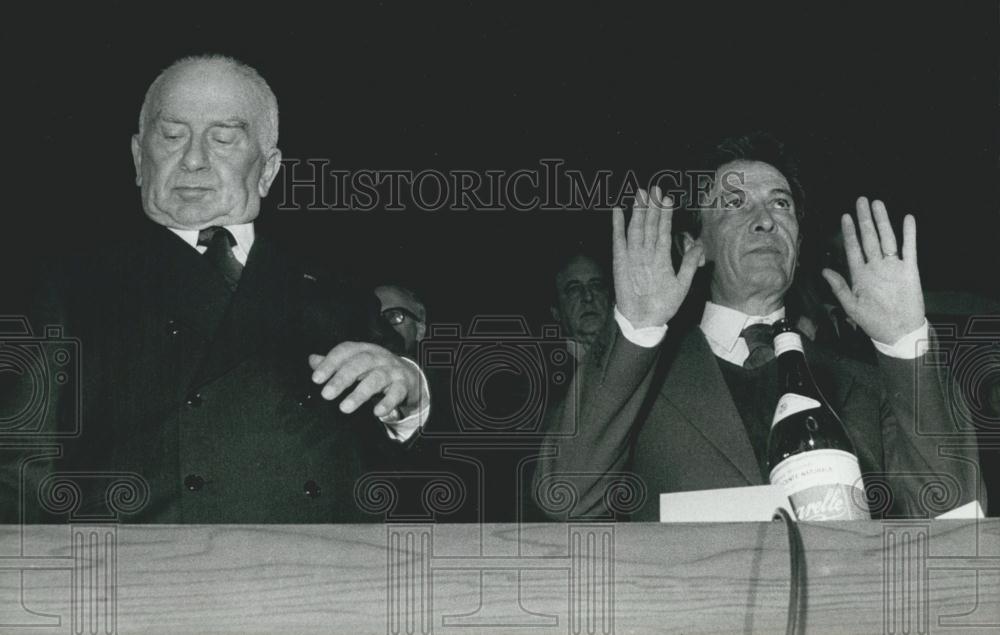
[267,136]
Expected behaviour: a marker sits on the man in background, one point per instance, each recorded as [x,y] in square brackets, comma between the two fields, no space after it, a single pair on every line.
[582,301]
[406,313]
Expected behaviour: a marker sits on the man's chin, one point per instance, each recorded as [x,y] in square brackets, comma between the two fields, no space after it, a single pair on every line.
[198,217]
[589,325]
[766,279]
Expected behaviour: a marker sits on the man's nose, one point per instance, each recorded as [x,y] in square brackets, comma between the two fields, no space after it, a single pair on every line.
[763,221]
[194,155]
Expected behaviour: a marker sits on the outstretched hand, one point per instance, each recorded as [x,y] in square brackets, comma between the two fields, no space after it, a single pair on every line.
[647,289]
[885,298]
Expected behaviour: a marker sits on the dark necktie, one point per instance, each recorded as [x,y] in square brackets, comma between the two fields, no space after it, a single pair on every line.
[760,343]
[220,253]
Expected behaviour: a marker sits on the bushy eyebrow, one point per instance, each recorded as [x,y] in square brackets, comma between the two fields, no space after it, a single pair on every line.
[781,190]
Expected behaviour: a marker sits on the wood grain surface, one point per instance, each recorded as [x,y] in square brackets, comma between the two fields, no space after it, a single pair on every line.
[862,577]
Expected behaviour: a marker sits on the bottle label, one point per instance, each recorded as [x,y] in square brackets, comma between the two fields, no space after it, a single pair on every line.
[790,403]
[787,342]
[823,485]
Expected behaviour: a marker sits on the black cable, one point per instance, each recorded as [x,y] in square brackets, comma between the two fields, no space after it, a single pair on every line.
[796,590]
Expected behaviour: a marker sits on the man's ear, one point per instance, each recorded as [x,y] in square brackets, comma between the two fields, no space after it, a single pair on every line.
[689,241]
[137,159]
[555,314]
[421,330]
[271,166]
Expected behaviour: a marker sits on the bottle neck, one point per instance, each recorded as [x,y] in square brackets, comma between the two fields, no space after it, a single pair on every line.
[793,371]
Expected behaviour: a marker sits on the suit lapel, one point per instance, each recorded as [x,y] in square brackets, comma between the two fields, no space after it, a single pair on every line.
[835,386]
[194,293]
[695,385]
[253,315]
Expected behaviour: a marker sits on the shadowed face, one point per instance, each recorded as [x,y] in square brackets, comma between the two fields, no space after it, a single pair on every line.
[583,299]
[405,313]
[199,161]
[752,234]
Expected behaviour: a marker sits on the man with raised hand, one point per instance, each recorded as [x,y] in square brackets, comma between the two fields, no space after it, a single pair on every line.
[667,412]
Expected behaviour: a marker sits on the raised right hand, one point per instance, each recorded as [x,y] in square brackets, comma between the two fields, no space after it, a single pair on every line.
[647,289]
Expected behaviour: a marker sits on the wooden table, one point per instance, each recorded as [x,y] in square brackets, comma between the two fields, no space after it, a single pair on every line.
[862,577]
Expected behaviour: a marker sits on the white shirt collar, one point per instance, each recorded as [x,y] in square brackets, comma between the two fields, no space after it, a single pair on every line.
[722,327]
[243,234]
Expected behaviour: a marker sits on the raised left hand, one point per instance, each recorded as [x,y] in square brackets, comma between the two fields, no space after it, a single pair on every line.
[376,370]
[885,298]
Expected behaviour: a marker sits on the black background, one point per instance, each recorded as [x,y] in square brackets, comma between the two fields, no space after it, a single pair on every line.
[897,101]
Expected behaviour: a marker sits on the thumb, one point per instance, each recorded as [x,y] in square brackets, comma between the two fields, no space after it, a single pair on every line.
[689,265]
[840,289]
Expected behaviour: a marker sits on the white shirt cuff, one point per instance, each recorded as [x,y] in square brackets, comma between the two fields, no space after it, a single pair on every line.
[910,346]
[646,337]
[400,428]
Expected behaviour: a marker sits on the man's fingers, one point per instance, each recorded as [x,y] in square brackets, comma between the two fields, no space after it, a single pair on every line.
[840,289]
[910,239]
[347,374]
[636,225]
[666,221]
[372,384]
[394,396]
[852,250]
[617,234]
[652,220]
[866,227]
[325,368]
[886,236]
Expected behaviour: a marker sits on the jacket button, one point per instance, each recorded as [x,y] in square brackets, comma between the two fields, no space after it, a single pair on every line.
[311,489]
[194,400]
[193,482]
[173,328]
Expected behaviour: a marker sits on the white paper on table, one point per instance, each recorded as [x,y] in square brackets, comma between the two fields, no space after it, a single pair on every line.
[966,511]
[754,503]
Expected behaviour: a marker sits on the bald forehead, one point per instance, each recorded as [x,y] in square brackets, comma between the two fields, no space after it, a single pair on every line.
[208,91]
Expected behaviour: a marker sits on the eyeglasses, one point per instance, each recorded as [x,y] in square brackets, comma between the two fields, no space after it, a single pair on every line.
[398,315]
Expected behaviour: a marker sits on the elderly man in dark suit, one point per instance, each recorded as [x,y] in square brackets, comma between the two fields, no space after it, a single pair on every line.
[669,411]
[219,382]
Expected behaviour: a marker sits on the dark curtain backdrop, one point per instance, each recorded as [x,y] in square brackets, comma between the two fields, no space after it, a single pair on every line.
[896,100]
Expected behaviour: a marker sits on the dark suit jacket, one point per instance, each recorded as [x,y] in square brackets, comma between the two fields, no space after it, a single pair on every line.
[194,405]
[660,420]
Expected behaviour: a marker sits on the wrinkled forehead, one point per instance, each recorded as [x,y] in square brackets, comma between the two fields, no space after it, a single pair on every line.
[581,269]
[206,92]
[749,176]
